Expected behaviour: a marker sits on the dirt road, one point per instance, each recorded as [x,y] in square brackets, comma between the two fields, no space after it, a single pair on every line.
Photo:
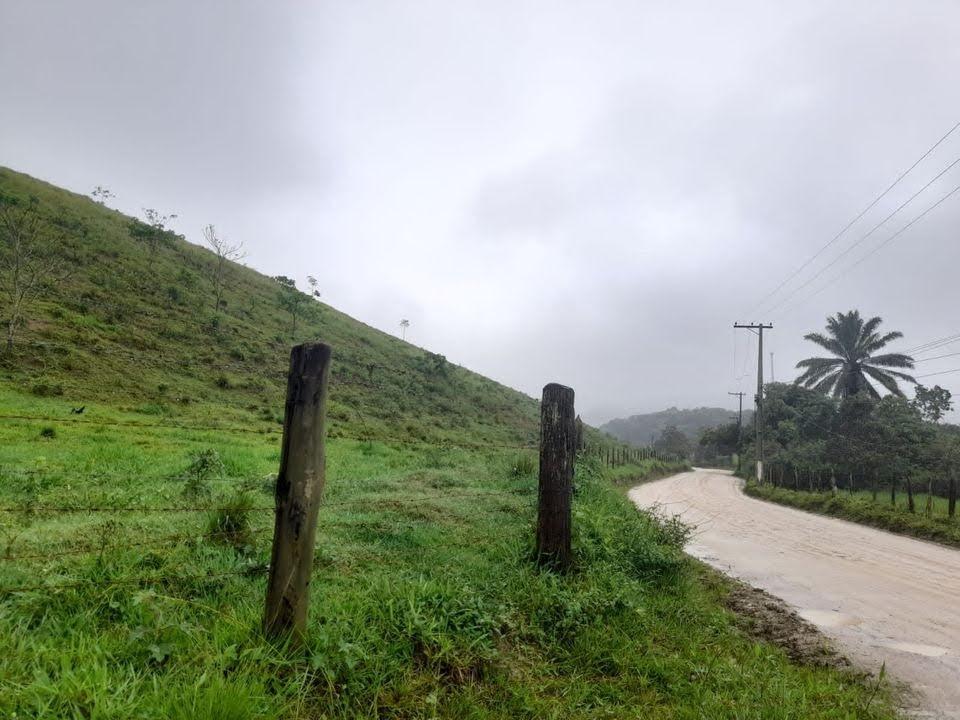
[882,597]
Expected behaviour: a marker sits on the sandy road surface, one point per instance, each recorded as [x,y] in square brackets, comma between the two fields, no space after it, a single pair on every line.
[882,597]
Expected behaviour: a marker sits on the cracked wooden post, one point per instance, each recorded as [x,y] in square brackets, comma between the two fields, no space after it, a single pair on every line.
[299,488]
[558,437]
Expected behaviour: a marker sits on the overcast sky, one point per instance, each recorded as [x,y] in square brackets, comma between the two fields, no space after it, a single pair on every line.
[583,192]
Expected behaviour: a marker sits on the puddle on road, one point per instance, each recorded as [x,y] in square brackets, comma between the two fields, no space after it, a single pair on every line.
[918,649]
[829,618]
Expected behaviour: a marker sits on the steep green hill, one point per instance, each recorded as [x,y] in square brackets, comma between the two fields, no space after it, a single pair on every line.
[134,327]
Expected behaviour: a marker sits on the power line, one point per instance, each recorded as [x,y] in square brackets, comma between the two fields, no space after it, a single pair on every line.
[942,372]
[875,250]
[937,357]
[863,238]
[863,212]
[934,344]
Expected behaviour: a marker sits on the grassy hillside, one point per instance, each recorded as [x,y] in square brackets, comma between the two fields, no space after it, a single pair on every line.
[134,327]
[134,537]
[644,429]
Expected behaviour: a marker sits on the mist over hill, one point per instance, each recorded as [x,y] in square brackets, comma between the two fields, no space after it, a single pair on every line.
[644,429]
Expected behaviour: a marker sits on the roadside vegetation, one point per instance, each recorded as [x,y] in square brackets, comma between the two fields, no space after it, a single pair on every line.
[861,507]
[644,471]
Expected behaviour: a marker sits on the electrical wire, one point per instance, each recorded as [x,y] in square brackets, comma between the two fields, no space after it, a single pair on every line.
[869,234]
[863,212]
[875,250]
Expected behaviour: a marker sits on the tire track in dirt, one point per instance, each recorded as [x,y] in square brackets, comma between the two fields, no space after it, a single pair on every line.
[883,598]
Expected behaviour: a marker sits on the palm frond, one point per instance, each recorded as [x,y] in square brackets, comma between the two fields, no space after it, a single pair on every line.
[820,362]
[875,343]
[885,379]
[826,384]
[814,374]
[870,327]
[897,360]
[894,373]
[829,344]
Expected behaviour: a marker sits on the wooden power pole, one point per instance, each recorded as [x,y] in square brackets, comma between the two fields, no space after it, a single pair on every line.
[758,414]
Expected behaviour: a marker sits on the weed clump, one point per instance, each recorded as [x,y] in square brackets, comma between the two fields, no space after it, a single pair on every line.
[43,389]
[229,524]
[205,467]
[48,433]
[523,466]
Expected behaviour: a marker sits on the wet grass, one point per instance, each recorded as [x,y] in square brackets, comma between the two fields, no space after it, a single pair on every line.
[424,601]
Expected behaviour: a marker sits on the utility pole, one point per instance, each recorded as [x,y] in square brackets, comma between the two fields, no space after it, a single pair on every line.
[772,378]
[739,430]
[758,415]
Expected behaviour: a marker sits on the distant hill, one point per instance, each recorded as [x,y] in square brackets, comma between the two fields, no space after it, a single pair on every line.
[643,429]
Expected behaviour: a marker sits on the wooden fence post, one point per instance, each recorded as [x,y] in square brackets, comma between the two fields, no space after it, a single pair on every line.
[298,492]
[557,456]
[952,493]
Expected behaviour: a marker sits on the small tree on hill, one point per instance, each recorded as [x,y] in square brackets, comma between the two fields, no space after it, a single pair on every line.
[153,231]
[226,252]
[100,194]
[291,300]
[404,324]
[31,259]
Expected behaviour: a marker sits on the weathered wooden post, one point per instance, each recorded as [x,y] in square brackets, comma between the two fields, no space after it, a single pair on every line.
[557,456]
[299,488]
[952,493]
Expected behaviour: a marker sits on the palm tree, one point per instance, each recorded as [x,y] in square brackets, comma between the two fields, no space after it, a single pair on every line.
[854,343]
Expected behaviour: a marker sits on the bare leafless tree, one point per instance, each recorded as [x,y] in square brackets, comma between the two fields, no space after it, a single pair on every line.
[30,260]
[226,252]
[101,194]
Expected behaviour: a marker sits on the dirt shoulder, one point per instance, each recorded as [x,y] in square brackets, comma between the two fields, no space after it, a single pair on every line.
[767,618]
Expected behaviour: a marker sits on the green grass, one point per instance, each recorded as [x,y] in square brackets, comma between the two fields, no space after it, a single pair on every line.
[643,471]
[861,507]
[424,599]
